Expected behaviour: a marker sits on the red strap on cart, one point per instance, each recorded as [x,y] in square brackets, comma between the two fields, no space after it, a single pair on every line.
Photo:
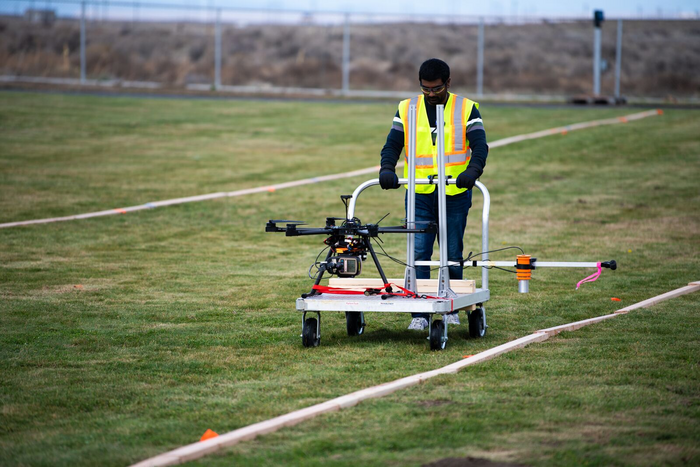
[408,293]
[341,291]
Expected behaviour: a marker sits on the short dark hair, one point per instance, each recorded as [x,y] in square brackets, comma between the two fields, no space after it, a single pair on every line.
[433,69]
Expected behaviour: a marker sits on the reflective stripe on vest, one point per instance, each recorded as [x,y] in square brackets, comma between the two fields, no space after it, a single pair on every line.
[457,152]
[457,123]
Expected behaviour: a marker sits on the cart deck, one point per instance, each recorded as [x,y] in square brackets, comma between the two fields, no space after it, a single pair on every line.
[361,303]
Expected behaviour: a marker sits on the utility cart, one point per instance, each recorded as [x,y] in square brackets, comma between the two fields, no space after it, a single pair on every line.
[441,300]
[350,243]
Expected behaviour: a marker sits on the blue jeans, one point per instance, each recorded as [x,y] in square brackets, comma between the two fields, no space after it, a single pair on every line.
[427,210]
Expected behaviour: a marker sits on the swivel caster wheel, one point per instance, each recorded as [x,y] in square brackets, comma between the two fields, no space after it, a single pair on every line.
[310,334]
[477,323]
[355,323]
[437,335]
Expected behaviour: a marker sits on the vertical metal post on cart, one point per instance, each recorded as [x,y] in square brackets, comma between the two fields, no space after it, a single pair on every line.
[410,274]
[485,234]
[444,272]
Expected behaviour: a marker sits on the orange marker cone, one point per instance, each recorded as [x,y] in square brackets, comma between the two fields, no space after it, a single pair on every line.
[615,299]
[208,435]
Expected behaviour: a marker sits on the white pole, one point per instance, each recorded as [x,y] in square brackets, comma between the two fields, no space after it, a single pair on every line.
[444,272]
[346,54]
[82,42]
[410,273]
[485,232]
[596,61]
[618,59]
[480,60]
[217,52]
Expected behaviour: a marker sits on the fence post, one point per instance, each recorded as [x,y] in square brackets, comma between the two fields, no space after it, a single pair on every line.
[618,59]
[217,51]
[82,42]
[346,55]
[480,60]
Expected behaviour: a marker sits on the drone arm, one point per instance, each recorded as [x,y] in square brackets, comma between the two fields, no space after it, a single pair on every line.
[292,231]
[402,229]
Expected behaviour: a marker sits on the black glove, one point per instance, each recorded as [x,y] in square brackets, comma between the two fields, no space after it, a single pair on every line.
[466,180]
[388,179]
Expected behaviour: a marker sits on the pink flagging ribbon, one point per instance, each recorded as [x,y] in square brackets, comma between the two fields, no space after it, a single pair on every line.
[592,277]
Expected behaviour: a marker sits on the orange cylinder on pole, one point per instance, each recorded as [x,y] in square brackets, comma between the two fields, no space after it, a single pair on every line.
[524,273]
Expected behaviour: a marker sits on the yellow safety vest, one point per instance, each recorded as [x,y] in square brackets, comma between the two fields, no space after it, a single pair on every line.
[457,152]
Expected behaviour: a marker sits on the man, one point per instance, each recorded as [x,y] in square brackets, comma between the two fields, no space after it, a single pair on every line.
[465,156]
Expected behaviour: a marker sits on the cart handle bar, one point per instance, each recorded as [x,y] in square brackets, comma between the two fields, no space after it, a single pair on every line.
[450,181]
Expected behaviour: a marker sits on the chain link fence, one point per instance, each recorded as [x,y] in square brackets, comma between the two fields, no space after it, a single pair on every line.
[155,45]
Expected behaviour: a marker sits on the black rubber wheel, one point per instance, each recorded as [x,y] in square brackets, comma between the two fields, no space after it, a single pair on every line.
[477,323]
[309,334]
[437,329]
[355,323]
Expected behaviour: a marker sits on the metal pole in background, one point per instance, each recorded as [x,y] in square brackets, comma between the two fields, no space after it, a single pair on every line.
[480,60]
[597,20]
[346,54]
[596,61]
[217,51]
[82,42]
[618,59]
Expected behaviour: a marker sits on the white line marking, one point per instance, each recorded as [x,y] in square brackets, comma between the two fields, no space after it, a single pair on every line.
[307,181]
[202,448]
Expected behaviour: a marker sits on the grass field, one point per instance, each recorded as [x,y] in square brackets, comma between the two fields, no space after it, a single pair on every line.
[125,336]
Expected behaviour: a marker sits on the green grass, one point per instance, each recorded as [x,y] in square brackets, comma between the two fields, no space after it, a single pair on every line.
[125,336]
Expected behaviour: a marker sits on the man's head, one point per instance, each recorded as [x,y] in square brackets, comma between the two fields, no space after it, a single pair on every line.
[434,79]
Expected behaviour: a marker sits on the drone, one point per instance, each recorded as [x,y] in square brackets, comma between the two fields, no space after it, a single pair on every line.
[348,245]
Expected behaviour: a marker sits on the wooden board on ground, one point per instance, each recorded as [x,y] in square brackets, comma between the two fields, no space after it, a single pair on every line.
[425,286]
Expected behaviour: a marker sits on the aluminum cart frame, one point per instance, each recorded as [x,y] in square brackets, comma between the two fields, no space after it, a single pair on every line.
[445,300]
